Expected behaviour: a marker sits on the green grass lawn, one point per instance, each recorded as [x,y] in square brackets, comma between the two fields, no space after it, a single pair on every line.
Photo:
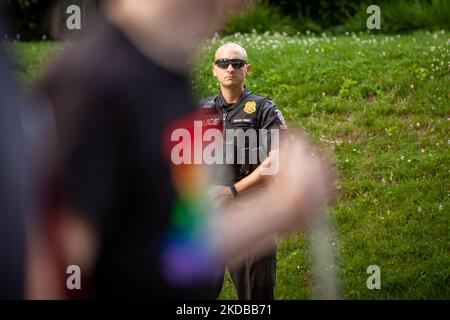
[381,106]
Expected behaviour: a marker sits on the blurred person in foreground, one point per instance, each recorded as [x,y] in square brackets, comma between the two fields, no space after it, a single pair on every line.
[244,114]
[15,192]
[23,126]
[136,223]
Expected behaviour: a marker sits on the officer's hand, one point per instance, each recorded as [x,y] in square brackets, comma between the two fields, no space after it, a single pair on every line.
[219,195]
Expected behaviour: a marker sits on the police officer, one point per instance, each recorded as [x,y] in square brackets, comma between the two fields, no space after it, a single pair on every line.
[240,112]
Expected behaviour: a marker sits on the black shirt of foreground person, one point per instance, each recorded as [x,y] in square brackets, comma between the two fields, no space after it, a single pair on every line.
[15,186]
[112,106]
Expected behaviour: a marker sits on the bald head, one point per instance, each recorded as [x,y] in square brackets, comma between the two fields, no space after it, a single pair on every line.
[231,50]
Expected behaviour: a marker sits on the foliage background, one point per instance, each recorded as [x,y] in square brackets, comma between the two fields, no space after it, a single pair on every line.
[31,17]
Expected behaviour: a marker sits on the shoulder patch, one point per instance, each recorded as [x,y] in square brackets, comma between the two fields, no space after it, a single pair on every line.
[281,118]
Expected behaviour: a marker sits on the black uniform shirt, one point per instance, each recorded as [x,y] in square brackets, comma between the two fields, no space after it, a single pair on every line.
[252,111]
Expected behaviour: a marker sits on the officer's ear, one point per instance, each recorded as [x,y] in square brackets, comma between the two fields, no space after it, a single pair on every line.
[248,68]
[214,70]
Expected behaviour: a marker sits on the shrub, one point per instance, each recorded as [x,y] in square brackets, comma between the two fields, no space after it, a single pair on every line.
[27,18]
[260,18]
[405,16]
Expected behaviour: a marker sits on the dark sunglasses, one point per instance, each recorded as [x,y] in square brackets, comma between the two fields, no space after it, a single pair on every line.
[235,63]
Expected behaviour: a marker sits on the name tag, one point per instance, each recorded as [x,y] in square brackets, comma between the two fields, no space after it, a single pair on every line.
[242,120]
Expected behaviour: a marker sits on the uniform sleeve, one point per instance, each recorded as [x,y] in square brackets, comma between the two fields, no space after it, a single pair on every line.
[270,117]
